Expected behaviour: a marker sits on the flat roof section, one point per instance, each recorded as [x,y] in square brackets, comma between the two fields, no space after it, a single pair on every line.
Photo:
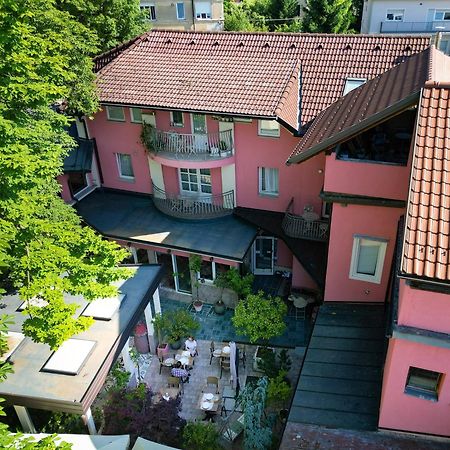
[134,217]
[59,381]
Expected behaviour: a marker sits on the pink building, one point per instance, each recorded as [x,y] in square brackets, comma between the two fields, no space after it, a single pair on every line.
[192,143]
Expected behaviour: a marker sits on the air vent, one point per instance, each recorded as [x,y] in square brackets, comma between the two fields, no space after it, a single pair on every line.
[241,44]
[216,43]
[192,42]
[348,47]
[169,41]
[408,48]
[377,48]
[293,46]
[266,45]
[319,47]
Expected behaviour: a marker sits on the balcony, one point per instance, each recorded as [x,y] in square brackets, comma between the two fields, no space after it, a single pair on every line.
[194,147]
[193,208]
[305,227]
[414,27]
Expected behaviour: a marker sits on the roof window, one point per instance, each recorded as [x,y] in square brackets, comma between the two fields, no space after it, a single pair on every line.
[352,83]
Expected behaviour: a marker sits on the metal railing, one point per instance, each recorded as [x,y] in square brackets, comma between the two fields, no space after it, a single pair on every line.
[414,27]
[194,208]
[297,227]
[180,145]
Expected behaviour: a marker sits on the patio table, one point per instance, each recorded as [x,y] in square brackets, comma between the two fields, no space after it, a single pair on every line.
[168,393]
[185,358]
[209,403]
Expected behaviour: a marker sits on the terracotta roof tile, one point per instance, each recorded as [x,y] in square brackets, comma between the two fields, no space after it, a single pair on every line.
[426,250]
[254,74]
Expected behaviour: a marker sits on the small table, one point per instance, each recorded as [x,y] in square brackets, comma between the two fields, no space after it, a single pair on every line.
[185,358]
[209,403]
[300,303]
[168,393]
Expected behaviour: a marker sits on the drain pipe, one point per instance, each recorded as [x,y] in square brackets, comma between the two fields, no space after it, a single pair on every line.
[193,15]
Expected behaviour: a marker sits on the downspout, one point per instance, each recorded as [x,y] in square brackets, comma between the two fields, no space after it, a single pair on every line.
[193,15]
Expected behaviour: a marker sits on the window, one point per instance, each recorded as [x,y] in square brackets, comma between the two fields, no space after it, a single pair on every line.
[203,10]
[367,259]
[176,119]
[196,180]
[442,14]
[268,128]
[136,115]
[423,383]
[124,165]
[180,11]
[210,270]
[115,113]
[352,83]
[150,10]
[268,181]
[395,15]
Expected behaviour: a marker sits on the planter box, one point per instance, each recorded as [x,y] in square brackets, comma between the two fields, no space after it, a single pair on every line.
[162,350]
[257,359]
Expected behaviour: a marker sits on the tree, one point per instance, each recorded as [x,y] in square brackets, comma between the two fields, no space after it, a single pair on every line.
[260,317]
[44,57]
[328,16]
[112,21]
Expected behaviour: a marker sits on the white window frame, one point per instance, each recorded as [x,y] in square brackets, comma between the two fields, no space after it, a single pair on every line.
[397,15]
[119,167]
[262,173]
[443,12]
[111,108]
[133,119]
[176,124]
[352,83]
[151,8]
[184,11]
[201,12]
[376,277]
[269,132]
[214,272]
[199,192]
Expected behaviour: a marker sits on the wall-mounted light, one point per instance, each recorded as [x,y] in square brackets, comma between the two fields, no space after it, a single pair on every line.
[169,251]
[320,171]
[211,258]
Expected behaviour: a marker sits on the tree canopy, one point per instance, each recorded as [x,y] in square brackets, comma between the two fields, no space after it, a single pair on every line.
[112,21]
[328,16]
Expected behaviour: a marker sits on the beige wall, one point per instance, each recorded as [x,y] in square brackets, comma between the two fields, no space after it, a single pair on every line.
[166,16]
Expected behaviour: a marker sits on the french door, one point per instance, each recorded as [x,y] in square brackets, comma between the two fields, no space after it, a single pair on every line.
[264,253]
[195,181]
[199,132]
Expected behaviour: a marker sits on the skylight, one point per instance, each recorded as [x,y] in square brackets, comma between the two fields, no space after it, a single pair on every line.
[70,357]
[352,83]
[103,308]
[13,340]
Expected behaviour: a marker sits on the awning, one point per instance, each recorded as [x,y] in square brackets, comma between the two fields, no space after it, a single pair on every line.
[80,158]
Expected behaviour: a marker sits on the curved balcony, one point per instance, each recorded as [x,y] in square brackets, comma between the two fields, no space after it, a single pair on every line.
[193,208]
[194,147]
[297,227]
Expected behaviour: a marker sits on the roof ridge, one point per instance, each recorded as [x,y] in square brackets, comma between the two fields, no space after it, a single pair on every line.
[287,87]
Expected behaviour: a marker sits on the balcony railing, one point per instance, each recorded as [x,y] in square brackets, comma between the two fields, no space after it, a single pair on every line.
[189,146]
[297,227]
[194,208]
[414,27]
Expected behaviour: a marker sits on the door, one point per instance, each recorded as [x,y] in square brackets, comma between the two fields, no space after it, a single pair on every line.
[182,274]
[199,131]
[196,182]
[263,255]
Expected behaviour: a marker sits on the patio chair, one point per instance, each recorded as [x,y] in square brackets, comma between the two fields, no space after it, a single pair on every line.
[165,363]
[213,352]
[173,382]
[242,355]
[212,381]
[224,365]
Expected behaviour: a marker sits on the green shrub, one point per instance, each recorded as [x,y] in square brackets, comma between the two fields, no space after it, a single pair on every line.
[201,436]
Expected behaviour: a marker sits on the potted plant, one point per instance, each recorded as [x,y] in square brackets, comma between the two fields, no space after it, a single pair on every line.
[180,324]
[160,324]
[220,282]
[278,393]
[195,265]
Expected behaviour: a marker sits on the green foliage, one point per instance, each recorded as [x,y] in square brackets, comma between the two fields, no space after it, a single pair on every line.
[5,368]
[260,317]
[272,362]
[161,325]
[201,436]
[195,263]
[175,324]
[231,279]
[278,390]
[120,376]
[113,21]
[60,422]
[325,16]
[16,441]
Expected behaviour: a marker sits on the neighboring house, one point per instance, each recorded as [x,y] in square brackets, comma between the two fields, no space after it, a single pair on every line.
[220,114]
[407,16]
[195,15]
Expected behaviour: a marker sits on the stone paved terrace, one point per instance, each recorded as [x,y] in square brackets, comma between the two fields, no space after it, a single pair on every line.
[202,369]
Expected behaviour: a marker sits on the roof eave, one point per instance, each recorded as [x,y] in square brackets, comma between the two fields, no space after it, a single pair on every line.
[352,131]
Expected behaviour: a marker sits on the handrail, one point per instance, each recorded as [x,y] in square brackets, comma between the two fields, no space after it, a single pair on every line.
[297,227]
[431,26]
[193,208]
[215,145]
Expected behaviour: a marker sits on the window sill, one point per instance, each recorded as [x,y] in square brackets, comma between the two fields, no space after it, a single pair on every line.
[431,396]
[127,179]
[136,122]
[269,135]
[366,279]
[116,120]
[268,195]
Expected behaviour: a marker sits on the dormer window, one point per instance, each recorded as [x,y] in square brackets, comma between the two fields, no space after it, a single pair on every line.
[352,83]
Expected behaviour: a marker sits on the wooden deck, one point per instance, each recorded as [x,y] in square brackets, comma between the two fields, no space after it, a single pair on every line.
[340,382]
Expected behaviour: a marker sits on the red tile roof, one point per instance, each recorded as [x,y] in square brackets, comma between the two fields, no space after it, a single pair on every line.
[426,251]
[363,107]
[255,74]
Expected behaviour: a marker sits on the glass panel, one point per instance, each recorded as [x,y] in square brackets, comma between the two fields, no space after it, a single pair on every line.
[206,270]
[166,260]
[177,118]
[142,256]
[136,115]
[423,379]
[184,177]
[180,13]
[183,274]
[368,257]
[126,169]
[221,268]
[352,83]
[269,128]
[115,113]
[185,186]
[263,253]
[199,123]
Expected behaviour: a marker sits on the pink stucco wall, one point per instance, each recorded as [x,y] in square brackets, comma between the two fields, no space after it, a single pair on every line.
[171,180]
[284,255]
[301,278]
[402,411]
[363,178]
[301,181]
[120,137]
[423,309]
[65,190]
[347,221]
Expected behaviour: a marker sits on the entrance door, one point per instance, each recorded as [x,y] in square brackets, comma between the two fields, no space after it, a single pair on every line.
[199,131]
[182,274]
[263,255]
